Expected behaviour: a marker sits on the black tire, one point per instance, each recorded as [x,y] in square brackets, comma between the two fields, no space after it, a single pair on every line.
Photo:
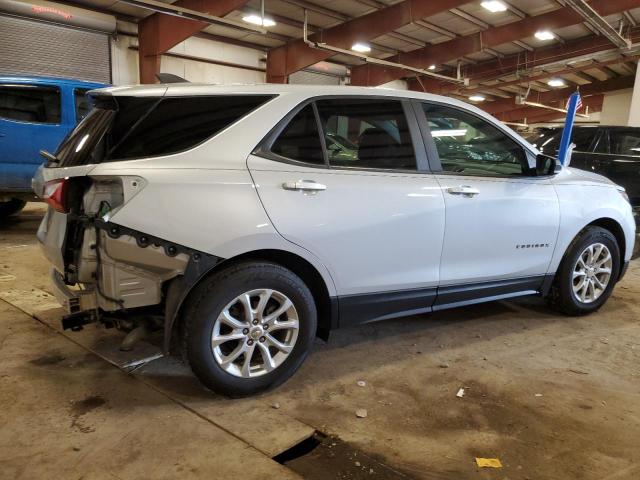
[210,298]
[562,297]
[11,207]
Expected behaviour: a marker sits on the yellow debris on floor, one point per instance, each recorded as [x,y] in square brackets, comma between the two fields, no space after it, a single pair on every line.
[489,462]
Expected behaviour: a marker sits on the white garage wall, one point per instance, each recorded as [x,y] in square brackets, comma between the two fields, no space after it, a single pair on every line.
[124,61]
[615,107]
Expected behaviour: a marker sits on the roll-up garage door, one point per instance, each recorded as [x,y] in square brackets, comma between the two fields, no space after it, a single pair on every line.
[29,47]
[312,78]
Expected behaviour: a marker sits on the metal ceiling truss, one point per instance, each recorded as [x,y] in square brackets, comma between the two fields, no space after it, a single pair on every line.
[187,13]
[594,19]
[377,61]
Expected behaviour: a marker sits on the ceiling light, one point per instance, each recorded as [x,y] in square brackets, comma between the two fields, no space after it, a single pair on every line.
[361,47]
[432,67]
[494,6]
[556,82]
[257,20]
[477,98]
[544,35]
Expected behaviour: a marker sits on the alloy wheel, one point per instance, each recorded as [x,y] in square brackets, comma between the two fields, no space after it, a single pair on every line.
[255,333]
[592,273]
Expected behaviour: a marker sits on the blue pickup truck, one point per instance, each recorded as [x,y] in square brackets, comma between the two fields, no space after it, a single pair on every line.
[36,113]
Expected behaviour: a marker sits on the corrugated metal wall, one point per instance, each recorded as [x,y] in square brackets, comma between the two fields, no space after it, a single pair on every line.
[29,47]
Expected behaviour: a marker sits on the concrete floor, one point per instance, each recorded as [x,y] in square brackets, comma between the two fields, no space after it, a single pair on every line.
[550,396]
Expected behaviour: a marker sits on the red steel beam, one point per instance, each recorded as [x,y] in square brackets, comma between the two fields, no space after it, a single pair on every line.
[594,88]
[513,63]
[371,74]
[541,76]
[159,32]
[296,55]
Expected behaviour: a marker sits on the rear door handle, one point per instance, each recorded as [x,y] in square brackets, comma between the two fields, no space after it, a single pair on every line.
[464,190]
[304,186]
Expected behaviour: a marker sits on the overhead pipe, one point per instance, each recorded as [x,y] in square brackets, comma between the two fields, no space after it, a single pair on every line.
[181,12]
[548,107]
[378,61]
[594,19]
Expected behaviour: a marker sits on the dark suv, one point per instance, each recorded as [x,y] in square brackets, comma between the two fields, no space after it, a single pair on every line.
[610,151]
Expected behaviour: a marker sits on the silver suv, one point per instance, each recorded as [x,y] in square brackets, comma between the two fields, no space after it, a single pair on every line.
[229,215]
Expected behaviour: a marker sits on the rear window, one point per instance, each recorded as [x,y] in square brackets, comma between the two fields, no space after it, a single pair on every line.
[30,103]
[124,128]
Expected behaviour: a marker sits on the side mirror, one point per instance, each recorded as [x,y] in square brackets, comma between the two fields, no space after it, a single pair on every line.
[545,165]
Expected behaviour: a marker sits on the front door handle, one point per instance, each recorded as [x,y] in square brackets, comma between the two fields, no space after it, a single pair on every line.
[464,190]
[304,186]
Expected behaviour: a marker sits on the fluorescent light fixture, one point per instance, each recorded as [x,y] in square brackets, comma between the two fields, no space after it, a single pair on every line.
[544,35]
[477,98]
[494,6]
[449,133]
[360,47]
[257,20]
[556,82]
[432,67]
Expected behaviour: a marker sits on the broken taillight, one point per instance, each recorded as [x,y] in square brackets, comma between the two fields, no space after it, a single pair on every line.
[55,194]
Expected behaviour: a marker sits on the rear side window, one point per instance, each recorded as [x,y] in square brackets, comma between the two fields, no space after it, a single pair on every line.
[29,103]
[180,123]
[300,139]
[124,128]
[366,133]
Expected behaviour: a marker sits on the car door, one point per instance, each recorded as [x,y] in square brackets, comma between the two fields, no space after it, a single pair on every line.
[375,218]
[31,119]
[501,223]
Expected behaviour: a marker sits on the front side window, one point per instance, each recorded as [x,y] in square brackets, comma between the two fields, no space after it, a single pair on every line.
[30,103]
[625,142]
[469,145]
[300,139]
[366,133]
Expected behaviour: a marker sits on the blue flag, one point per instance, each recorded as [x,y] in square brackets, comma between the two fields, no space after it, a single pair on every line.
[573,104]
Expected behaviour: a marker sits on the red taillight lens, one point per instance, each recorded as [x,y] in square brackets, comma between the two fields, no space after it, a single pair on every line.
[55,194]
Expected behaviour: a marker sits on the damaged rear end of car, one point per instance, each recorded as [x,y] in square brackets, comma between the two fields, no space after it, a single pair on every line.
[103,271]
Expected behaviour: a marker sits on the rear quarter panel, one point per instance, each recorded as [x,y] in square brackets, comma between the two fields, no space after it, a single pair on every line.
[213,211]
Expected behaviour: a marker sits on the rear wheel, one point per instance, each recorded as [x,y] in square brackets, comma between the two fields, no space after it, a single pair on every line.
[249,327]
[11,207]
[588,272]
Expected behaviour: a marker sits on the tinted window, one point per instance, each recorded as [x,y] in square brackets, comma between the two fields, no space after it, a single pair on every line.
[120,128]
[180,123]
[28,103]
[367,133]
[472,146]
[300,140]
[625,142]
[82,102]
[583,138]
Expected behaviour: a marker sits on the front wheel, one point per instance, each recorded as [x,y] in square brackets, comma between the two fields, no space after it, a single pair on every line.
[588,272]
[249,327]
